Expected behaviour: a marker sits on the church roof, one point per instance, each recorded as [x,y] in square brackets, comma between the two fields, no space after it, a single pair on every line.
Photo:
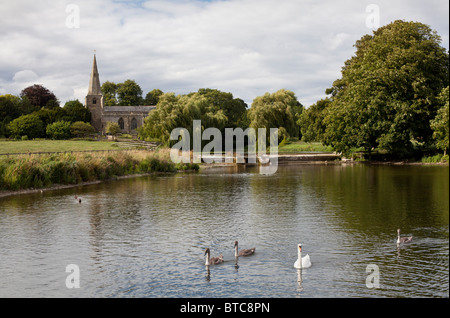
[128,108]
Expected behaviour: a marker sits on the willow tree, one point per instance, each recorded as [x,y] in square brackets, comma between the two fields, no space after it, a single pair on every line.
[388,91]
[233,108]
[277,110]
[179,111]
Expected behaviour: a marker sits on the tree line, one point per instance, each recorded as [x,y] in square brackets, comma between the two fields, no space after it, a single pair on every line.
[221,110]
[36,113]
[128,93]
[213,107]
[392,96]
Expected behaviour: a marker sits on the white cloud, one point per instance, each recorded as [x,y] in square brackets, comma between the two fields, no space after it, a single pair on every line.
[25,76]
[246,47]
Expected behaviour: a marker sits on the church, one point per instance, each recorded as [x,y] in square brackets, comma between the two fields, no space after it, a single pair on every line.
[129,118]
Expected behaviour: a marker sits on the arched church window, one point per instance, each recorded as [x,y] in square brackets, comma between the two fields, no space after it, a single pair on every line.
[94,101]
[121,123]
[133,123]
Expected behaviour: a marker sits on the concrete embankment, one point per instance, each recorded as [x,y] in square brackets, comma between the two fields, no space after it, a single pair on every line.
[282,158]
[307,157]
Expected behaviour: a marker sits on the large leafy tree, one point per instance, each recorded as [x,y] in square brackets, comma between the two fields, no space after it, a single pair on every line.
[11,107]
[109,91]
[214,108]
[49,116]
[40,96]
[311,121]
[129,93]
[388,91]
[8,111]
[8,107]
[440,124]
[277,110]
[152,97]
[75,111]
[233,108]
[179,111]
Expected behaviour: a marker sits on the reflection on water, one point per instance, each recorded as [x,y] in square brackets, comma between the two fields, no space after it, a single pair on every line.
[145,237]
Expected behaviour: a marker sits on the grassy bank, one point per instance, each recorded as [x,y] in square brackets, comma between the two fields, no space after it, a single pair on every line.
[44,145]
[439,158]
[295,146]
[27,146]
[34,171]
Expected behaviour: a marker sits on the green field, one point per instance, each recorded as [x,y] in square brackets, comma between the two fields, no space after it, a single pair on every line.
[27,146]
[295,146]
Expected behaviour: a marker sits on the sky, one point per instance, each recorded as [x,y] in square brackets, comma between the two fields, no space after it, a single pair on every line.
[245,47]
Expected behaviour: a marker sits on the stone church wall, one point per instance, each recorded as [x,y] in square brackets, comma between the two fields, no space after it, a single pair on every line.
[129,118]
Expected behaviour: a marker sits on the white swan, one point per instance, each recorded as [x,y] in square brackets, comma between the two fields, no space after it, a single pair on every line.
[302,262]
[403,239]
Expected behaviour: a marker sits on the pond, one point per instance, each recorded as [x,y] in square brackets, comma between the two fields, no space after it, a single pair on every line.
[146,236]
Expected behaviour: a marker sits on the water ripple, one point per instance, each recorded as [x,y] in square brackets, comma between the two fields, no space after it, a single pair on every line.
[146,237]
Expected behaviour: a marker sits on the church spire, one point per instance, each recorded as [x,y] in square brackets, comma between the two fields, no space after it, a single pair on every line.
[94,82]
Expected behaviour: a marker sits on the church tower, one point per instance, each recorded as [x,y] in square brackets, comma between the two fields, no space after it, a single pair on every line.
[94,98]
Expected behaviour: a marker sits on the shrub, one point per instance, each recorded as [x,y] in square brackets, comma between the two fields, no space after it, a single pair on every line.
[59,130]
[75,111]
[435,159]
[81,129]
[112,128]
[29,125]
